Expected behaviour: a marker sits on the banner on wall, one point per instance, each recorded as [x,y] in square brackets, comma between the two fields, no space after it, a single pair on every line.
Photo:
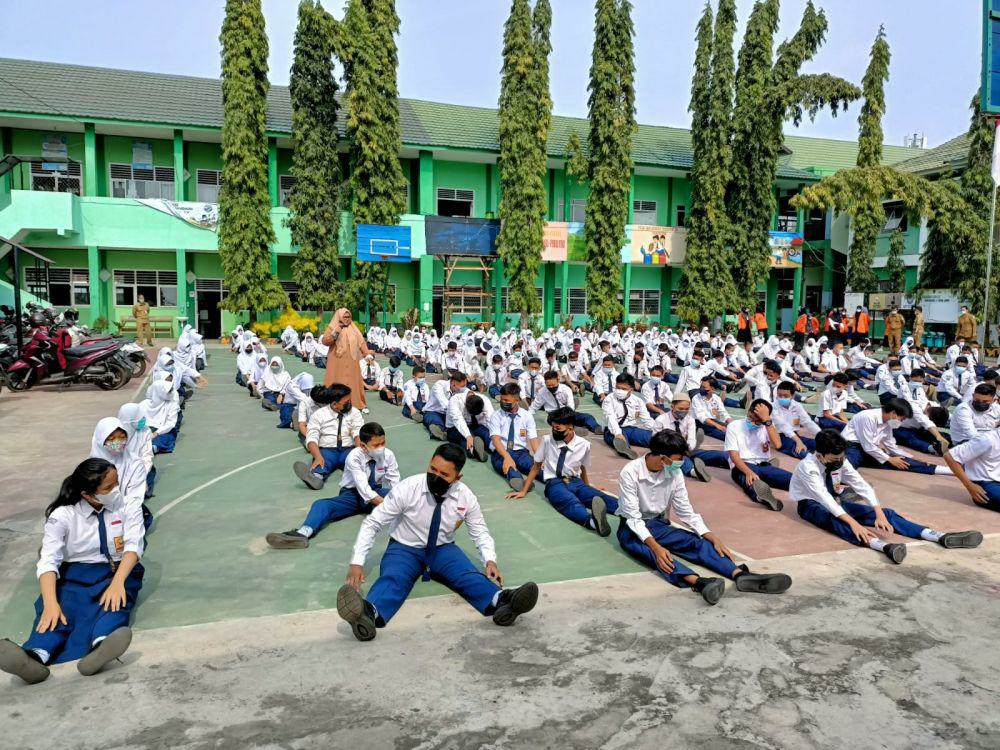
[786,249]
[657,246]
[142,155]
[201,215]
[54,146]
[454,235]
[390,244]
[555,241]
[576,244]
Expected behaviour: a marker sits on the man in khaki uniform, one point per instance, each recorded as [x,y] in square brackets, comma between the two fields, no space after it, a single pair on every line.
[894,330]
[140,311]
[918,325]
[966,328]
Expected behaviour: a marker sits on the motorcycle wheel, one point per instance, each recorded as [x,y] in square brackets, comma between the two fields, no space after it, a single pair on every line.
[120,377]
[139,365]
[16,383]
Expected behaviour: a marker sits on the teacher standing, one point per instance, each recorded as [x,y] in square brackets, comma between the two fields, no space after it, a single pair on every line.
[347,349]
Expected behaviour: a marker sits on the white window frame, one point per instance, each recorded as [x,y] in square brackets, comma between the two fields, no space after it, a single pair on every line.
[129,278]
[644,212]
[895,213]
[128,182]
[68,181]
[208,182]
[40,284]
[456,195]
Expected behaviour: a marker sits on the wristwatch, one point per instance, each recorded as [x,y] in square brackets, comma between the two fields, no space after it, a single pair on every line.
[767,423]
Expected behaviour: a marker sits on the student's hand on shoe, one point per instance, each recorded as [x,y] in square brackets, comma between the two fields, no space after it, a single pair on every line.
[317,463]
[355,577]
[520,495]
[978,494]
[113,597]
[862,534]
[52,617]
[493,573]
[899,463]
[800,447]
[750,477]
[508,464]
[469,443]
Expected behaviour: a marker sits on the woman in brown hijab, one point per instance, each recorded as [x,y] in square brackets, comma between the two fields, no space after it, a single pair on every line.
[347,349]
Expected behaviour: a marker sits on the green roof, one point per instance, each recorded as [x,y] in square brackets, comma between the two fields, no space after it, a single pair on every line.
[949,156]
[84,92]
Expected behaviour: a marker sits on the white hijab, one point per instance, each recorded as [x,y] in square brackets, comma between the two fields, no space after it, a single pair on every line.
[130,466]
[159,408]
[275,381]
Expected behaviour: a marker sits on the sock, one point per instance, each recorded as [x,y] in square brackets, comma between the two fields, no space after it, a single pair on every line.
[96,642]
[929,535]
[306,531]
[41,653]
[877,544]
[944,470]
[496,598]
[591,524]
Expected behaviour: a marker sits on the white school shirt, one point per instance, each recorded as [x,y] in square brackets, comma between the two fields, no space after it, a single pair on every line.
[322,427]
[524,428]
[690,377]
[833,400]
[952,353]
[71,535]
[440,396]
[604,383]
[980,457]
[874,435]
[638,370]
[373,367]
[656,393]
[685,427]
[709,408]
[496,375]
[967,423]
[573,371]
[753,446]
[809,483]
[632,409]
[546,400]
[391,381]
[305,409]
[889,382]
[458,416]
[760,386]
[356,472]
[577,457]
[957,385]
[741,358]
[413,393]
[792,418]
[530,385]
[832,362]
[453,362]
[644,495]
[408,510]
[599,365]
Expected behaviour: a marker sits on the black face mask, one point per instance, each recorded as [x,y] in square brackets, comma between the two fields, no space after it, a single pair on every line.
[347,409]
[834,465]
[981,406]
[552,388]
[506,407]
[558,435]
[438,486]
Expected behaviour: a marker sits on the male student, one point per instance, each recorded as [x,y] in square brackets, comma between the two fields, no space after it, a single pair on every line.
[604,379]
[870,441]
[976,463]
[562,458]
[514,438]
[371,373]
[415,395]
[656,393]
[818,486]
[496,376]
[678,418]
[423,512]
[370,471]
[437,405]
[391,382]
[709,411]
[956,383]
[791,419]
[890,381]
[466,422]
[331,434]
[650,487]
[979,414]
[749,442]
[626,420]
[556,395]
[575,375]
[831,413]
[531,381]
[693,374]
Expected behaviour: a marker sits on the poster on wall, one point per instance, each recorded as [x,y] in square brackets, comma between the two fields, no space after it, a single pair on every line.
[555,239]
[454,235]
[656,246]
[576,244]
[142,155]
[201,215]
[54,146]
[786,249]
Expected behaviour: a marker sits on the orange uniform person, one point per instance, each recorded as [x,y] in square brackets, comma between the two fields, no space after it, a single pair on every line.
[760,320]
[862,324]
[743,332]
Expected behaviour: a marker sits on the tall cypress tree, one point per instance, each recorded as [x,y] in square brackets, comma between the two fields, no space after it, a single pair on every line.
[245,229]
[894,267]
[770,90]
[314,201]
[707,284]
[612,125]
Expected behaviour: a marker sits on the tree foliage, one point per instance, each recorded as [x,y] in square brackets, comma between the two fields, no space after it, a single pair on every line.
[314,218]
[894,266]
[577,166]
[245,230]
[525,113]
[611,106]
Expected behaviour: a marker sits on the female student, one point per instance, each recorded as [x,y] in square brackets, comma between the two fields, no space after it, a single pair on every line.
[140,441]
[297,391]
[272,384]
[89,576]
[162,412]
[111,443]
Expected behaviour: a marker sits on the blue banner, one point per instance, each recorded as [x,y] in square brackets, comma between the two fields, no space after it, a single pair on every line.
[451,235]
[384,243]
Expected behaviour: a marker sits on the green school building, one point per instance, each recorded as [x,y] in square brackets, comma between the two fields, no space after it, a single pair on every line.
[138,143]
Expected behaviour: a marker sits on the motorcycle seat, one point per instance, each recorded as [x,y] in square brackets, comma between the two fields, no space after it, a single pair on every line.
[80,351]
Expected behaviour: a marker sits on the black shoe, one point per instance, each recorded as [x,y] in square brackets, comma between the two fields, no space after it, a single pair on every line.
[265,404]
[437,432]
[765,496]
[699,437]
[515,602]
[479,449]
[599,512]
[711,589]
[516,483]
[16,661]
[106,651]
[621,445]
[303,471]
[763,583]
[700,470]
[895,552]
[287,540]
[354,610]
[961,540]
[417,417]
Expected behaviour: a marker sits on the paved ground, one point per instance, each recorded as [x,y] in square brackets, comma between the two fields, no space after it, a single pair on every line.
[236,644]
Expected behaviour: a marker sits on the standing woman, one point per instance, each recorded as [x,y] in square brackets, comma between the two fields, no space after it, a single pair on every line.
[347,349]
[89,576]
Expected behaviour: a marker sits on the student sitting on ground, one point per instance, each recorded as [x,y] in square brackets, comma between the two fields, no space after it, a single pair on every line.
[870,441]
[556,395]
[371,373]
[650,488]
[295,393]
[531,382]
[245,362]
[563,458]
[956,383]
[437,405]
[833,496]
[370,471]
[710,413]
[831,413]
[89,575]
[791,418]
[390,383]
[626,421]
[162,415]
[976,463]
[305,409]
[415,395]
[514,438]
[331,434]
[656,393]
[979,414]
[679,419]
[423,512]
[496,376]
[604,379]
[749,442]
[575,375]
[922,431]
[272,384]
[467,421]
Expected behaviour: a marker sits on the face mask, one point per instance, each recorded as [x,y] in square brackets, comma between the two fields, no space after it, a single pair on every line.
[654,380]
[558,435]
[109,498]
[678,415]
[751,426]
[834,465]
[141,424]
[786,402]
[346,409]
[438,486]
[608,370]
[376,452]
[533,373]
[115,448]
[170,368]
[393,369]
[915,387]
[959,370]
[506,407]
[248,351]
[673,466]
[981,406]
[419,381]
[703,392]
[621,395]
[552,388]
[275,369]
[894,423]
[895,373]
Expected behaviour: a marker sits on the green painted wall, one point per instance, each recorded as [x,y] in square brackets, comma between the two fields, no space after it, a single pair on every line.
[463,176]
[680,196]
[650,188]
[199,156]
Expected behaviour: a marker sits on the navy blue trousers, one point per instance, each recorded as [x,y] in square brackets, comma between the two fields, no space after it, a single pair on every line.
[772,476]
[711,431]
[285,414]
[406,409]
[636,436]
[818,516]
[918,439]
[433,417]
[334,458]
[790,449]
[858,458]
[574,498]
[678,541]
[522,459]
[992,495]
[456,437]
[831,424]
[715,459]
[348,503]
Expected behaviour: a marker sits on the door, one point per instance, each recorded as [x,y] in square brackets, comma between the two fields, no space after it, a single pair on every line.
[437,316]
[209,314]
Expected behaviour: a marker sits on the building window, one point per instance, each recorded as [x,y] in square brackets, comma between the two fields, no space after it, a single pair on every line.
[60,286]
[578,211]
[644,212]
[895,217]
[285,184]
[129,182]
[815,228]
[454,202]
[209,181]
[159,288]
[681,215]
[53,181]
[642,301]
[787,215]
[577,301]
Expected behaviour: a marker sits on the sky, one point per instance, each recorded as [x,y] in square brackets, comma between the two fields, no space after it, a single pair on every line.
[450,50]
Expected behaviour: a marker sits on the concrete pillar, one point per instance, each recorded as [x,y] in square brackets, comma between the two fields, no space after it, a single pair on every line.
[567,186]
[772,304]
[178,165]
[98,308]
[490,208]
[5,148]
[548,295]
[272,171]
[626,286]
[827,296]
[551,187]
[631,196]
[497,292]
[564,283]
[184,301]
[800,223]
[90,166]
[426,287]
[428,206]
[666,290]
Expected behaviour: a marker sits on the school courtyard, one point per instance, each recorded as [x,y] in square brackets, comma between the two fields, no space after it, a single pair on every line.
[237,645]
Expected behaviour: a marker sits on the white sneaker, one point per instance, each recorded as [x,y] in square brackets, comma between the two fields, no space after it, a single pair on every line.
[366,410]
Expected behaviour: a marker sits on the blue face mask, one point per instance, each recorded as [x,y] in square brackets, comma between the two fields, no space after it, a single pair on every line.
[959,369]
[784,402]
[752,427]
[393,369]
[654,380]
[141,424]
[418,381]
[674,466]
